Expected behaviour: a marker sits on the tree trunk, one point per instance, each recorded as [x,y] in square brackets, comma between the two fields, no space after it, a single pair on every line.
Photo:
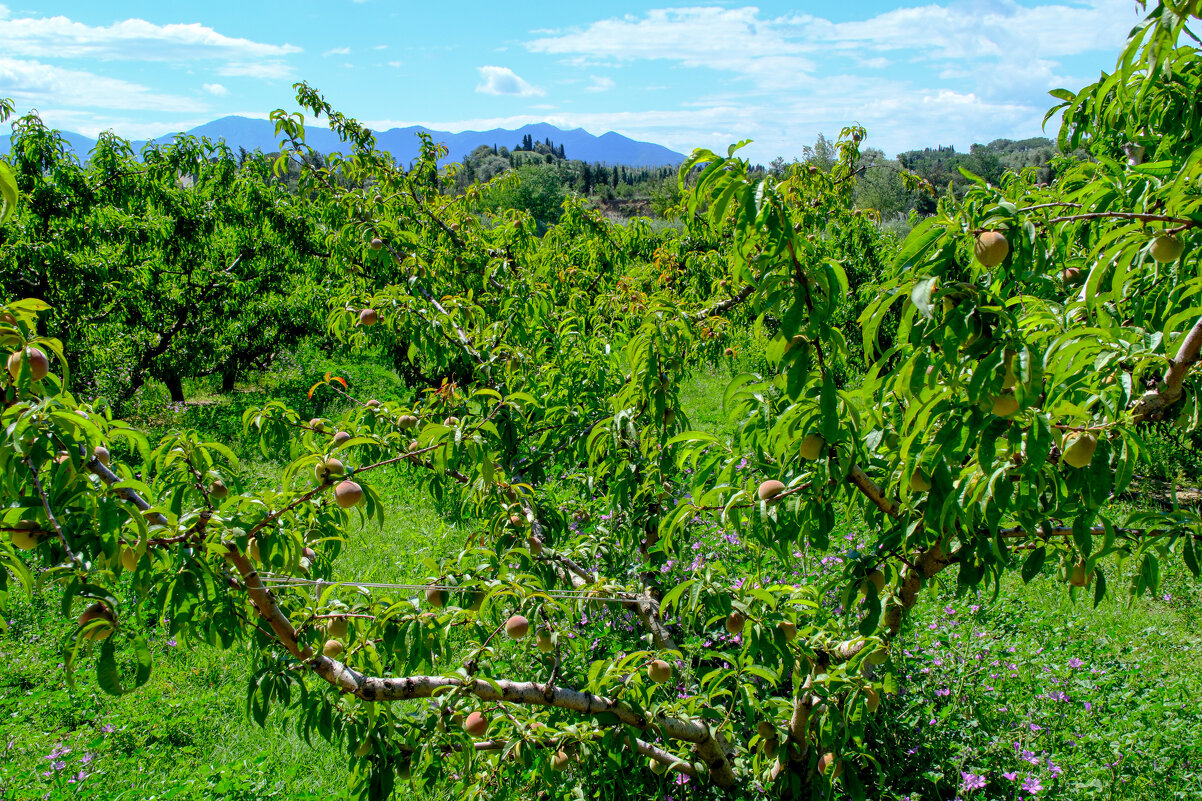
[228,376]
[175,386]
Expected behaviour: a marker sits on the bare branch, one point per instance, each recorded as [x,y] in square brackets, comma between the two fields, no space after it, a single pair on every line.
[1153,404]
[49,512]
[530,694]
[866,485]
[724,305]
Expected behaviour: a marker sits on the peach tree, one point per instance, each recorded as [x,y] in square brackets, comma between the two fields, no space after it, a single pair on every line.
[983,411]
[171,263]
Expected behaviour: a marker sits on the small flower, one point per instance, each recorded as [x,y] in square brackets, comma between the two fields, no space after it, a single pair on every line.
[1029,756]
[172,643]
[1031,785]
[1075,663]
[107,728]
[972,781]
[1010,777]
[1034,727]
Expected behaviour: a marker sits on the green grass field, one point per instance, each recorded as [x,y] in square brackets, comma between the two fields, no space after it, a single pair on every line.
[998,697]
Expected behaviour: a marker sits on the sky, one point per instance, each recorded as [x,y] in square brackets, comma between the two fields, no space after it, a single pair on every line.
[685,76]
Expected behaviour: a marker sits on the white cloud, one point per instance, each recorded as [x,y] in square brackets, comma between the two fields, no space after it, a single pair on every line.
[256,69]
[216,89]
[394,64]
[600,83]
[128,40]
[736,40]
[789,51]
[504,81]
[337,51]
[35,84]
[961,72]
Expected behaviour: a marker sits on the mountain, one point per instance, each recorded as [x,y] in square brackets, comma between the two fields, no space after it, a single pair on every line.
[609,148]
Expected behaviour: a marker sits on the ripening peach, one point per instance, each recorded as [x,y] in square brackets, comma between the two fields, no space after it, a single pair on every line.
[39,365]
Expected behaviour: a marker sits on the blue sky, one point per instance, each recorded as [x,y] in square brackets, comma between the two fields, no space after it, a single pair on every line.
[690,75]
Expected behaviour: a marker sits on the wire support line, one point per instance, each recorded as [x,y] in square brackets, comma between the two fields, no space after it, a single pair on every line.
[277,580]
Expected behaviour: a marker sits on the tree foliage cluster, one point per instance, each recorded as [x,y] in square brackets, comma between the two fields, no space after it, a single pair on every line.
[980,397]
[178,263]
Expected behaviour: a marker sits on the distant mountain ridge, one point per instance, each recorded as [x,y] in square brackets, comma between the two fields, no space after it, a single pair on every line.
[609,148]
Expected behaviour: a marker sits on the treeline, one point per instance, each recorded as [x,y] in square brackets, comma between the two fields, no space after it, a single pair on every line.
[545,175]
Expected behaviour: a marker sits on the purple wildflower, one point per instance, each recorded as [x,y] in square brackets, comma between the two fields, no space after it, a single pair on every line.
[972,781]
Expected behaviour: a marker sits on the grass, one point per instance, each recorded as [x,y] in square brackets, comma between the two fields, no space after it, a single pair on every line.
[185,735]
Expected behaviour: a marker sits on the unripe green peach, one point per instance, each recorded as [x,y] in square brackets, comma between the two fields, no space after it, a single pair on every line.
[328,467]
[812,447]
[876,578]
[337,628]
[368,317]
[1166,248]
[1079,447]
[920,481]
[1005,405]
[24,538]
[333,649]
[543,641]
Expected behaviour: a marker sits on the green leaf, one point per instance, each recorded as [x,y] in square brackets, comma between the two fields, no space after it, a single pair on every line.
[1034,563]
[8,193]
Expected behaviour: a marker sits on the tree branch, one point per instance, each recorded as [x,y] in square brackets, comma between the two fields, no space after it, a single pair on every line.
[530,693]
[1153,404]
[49,512]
